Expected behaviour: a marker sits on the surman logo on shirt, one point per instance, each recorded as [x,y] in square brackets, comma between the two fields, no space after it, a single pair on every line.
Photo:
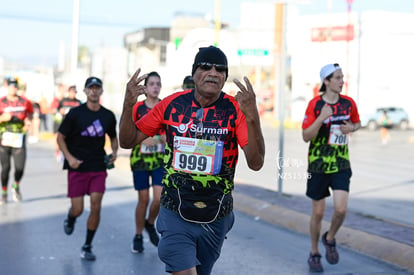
[182,128]
[336,118]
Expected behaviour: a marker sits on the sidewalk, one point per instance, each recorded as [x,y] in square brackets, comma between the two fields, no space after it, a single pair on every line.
[387,241]
[381,239]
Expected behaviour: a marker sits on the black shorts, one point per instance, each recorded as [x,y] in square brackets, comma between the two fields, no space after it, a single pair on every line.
[319,183]
[56,125]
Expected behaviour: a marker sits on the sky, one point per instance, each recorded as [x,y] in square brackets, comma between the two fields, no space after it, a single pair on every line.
[33,30]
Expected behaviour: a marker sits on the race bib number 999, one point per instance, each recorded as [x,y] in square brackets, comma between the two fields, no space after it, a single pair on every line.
[197,155]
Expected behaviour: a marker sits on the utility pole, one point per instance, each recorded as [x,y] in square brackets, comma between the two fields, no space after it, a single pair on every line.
[75,42]
[280,76]
[217,22]
[348,34]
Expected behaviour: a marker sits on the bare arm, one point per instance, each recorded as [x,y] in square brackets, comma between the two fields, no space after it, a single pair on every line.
[348,127]
[255,149]
[28,122]
[73,162]
[6,116]
[129,135]
[114,147]
[357,126]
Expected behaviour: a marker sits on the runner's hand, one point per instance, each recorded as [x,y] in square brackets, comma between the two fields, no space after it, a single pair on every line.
[134,88]
[326,111]
[6,116]
[347,127]
[74,163]
[246,98]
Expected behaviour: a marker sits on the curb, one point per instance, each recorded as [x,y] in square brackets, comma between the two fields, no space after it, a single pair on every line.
[384,249]
[375,246]
[387,250]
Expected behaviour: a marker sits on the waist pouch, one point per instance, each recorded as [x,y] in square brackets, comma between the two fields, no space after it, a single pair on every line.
[198,204]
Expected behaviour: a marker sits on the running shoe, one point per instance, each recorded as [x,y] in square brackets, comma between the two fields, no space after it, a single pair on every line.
[137,246]
[331,255]
[17,196]
[153,235]
[67,228]
[314,263]
[3,199]
[87,254]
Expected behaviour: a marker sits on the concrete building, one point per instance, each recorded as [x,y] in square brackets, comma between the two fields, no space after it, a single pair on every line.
[109,64]
[375,56]
[249,50]
[374,52]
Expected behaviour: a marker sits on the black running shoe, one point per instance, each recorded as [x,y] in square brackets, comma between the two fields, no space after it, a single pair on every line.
[68,229]
[137,246]
[331,255]
[153,235]
[87,254]
[314,262]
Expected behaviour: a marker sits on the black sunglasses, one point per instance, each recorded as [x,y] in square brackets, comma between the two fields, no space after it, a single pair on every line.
[206,66]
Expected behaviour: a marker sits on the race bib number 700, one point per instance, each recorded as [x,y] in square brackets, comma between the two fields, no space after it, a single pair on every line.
[197,155]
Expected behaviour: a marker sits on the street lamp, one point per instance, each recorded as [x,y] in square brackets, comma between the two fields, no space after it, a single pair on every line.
[280,76]
[75,38]
[348,34]
[217,22]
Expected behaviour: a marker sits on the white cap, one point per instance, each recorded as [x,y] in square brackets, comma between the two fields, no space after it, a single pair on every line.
[328,69]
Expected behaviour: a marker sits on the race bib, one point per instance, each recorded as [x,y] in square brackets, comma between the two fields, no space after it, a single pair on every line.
[14,140]
[197,155]
[157,148]
[336,137]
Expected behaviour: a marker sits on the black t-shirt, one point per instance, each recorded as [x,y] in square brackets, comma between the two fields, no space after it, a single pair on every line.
[85,136]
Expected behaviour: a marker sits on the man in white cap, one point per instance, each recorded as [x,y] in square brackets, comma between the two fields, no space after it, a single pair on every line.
[329,119]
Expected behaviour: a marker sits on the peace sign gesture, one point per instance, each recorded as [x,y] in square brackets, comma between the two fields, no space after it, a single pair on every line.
[255,149]
[128,132]
[246,98]
[134,88]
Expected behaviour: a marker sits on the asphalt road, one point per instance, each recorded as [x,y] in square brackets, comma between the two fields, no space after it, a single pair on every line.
[32,239]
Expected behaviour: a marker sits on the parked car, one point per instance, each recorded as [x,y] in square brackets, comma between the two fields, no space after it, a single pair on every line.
[398,118]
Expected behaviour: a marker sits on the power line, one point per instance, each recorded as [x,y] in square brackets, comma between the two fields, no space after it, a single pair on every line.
[62,20]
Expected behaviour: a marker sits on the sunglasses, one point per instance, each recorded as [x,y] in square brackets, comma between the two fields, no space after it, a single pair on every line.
[206,66]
